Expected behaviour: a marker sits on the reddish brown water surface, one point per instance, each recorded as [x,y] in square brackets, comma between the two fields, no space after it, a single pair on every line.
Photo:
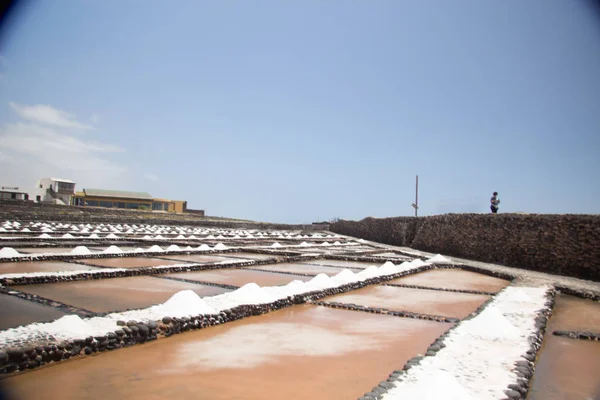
[240,277]
[40,266]
[436,302]
[116,293]
[301,268]
[569,368]
[129,262]
[16,312]
[196,258]
[454,279]
[343,264]
[302,352]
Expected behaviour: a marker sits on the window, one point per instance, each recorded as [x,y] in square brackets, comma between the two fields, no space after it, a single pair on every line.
[107,204]
[118,204]
[41,186]
[26,196]
[132,205]
[92,203]
[13,196]
[38,198]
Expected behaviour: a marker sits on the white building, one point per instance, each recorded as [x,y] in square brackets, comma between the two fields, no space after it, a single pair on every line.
[13,193]
[54,190]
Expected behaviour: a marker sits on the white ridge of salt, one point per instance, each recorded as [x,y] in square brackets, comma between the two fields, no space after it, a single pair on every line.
[80,250]
[111,236]
[369,272]
[304,244]
[67,236]
[445,387]
[173,247]
[192,237]
[320,282]
[520,296]
[210,237]
[25,230]
[45,236]
[388,269]
[180,237]
[189,248]
[112,250]
[480,327]
[204,247]
[439,259]
[276,244]
[155,248]
[344,276]
[336,243]
[325,244]
[93,236]
[138,250]
[417,262]
[158,237]
[9,252]
[183,304]
[220,246]
[250,293]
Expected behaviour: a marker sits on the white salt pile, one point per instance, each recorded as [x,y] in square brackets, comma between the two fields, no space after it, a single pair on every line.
[439,385]
[8,252]
[519,295]
[112,236]
[192,237]
[204,247]
[388,269]
[25,230]
[67,236]
[80,250]
[439,259]
[417,262]
[93,236]
[480,327]
[370,272]
[45,236]
[320,282]
[113,250]
[220,246]
[173,247]
[275,245]
[210,237]
[336,243]
[183,304]
[147,237]
[155,248]
[304,244]
[180,237]
[250,293]
[345,276]
[325,244]
[138,250]
[158,237]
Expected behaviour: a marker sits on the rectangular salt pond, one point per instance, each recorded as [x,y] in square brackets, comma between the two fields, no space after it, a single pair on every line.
[423,301]
[301,352]
[569,368]
[129,262]
[239,277]
[343,264]
[40,266]
[301,268]
[16,312]
[116,293]
[454,279]
[197,258]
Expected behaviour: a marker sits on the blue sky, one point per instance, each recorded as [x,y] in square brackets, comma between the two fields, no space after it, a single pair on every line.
[296,111]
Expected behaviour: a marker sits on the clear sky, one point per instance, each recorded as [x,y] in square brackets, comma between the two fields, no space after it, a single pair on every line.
[293,111]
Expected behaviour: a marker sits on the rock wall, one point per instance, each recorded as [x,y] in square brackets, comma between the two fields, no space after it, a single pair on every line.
[558,244]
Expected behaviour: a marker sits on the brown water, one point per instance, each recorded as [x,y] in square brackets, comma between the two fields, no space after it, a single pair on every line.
[116,293]
[436,302]
[129,262]
[454,279]
[198,258]
[343,264]
[16,312]
[240,277]
[301,269]
[302,352]
[40,266]
[569,368]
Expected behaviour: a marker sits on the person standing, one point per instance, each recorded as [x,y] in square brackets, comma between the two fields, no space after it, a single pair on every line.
[495,202]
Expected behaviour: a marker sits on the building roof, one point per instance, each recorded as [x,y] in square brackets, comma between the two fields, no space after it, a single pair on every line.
[118,194]
[62,180]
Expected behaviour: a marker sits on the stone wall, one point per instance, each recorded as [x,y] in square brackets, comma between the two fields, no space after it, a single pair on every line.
[558,244]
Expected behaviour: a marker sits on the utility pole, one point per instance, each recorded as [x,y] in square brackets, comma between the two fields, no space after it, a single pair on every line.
[416,203]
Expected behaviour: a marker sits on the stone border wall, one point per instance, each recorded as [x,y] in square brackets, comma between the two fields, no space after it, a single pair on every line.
[557,244]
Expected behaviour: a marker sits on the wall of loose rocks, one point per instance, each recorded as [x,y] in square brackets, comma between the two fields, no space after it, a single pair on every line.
[558,244]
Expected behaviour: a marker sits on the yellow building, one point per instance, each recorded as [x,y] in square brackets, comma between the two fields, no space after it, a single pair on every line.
[126,200]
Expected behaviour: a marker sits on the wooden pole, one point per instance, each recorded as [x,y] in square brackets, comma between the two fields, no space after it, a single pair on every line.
[417,197]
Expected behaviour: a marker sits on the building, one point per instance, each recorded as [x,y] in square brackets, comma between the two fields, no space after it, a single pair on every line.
[13,193]
[54,190]
[126,200]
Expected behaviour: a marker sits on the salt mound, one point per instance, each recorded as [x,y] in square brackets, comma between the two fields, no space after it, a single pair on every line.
[8,252]
[304,244]
[189,248]
[325,244]
[336,243]
[320,282]
[417,262]
[204,247]
[93,236]
[112,236]
[68,326]
[112,249]
[182,304]
[25,230]
[45,236]
[275,245]
[220,246]
[138,250]
[344,276]
[192,237]
[155,248]
[370,272]
[492,325]
[158,237]
[439,259]
[388,268]
[210,237]
[250,293]
[294,287]
[180,237]
[173,247]
[67,236]
[80,250]
[445,387]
